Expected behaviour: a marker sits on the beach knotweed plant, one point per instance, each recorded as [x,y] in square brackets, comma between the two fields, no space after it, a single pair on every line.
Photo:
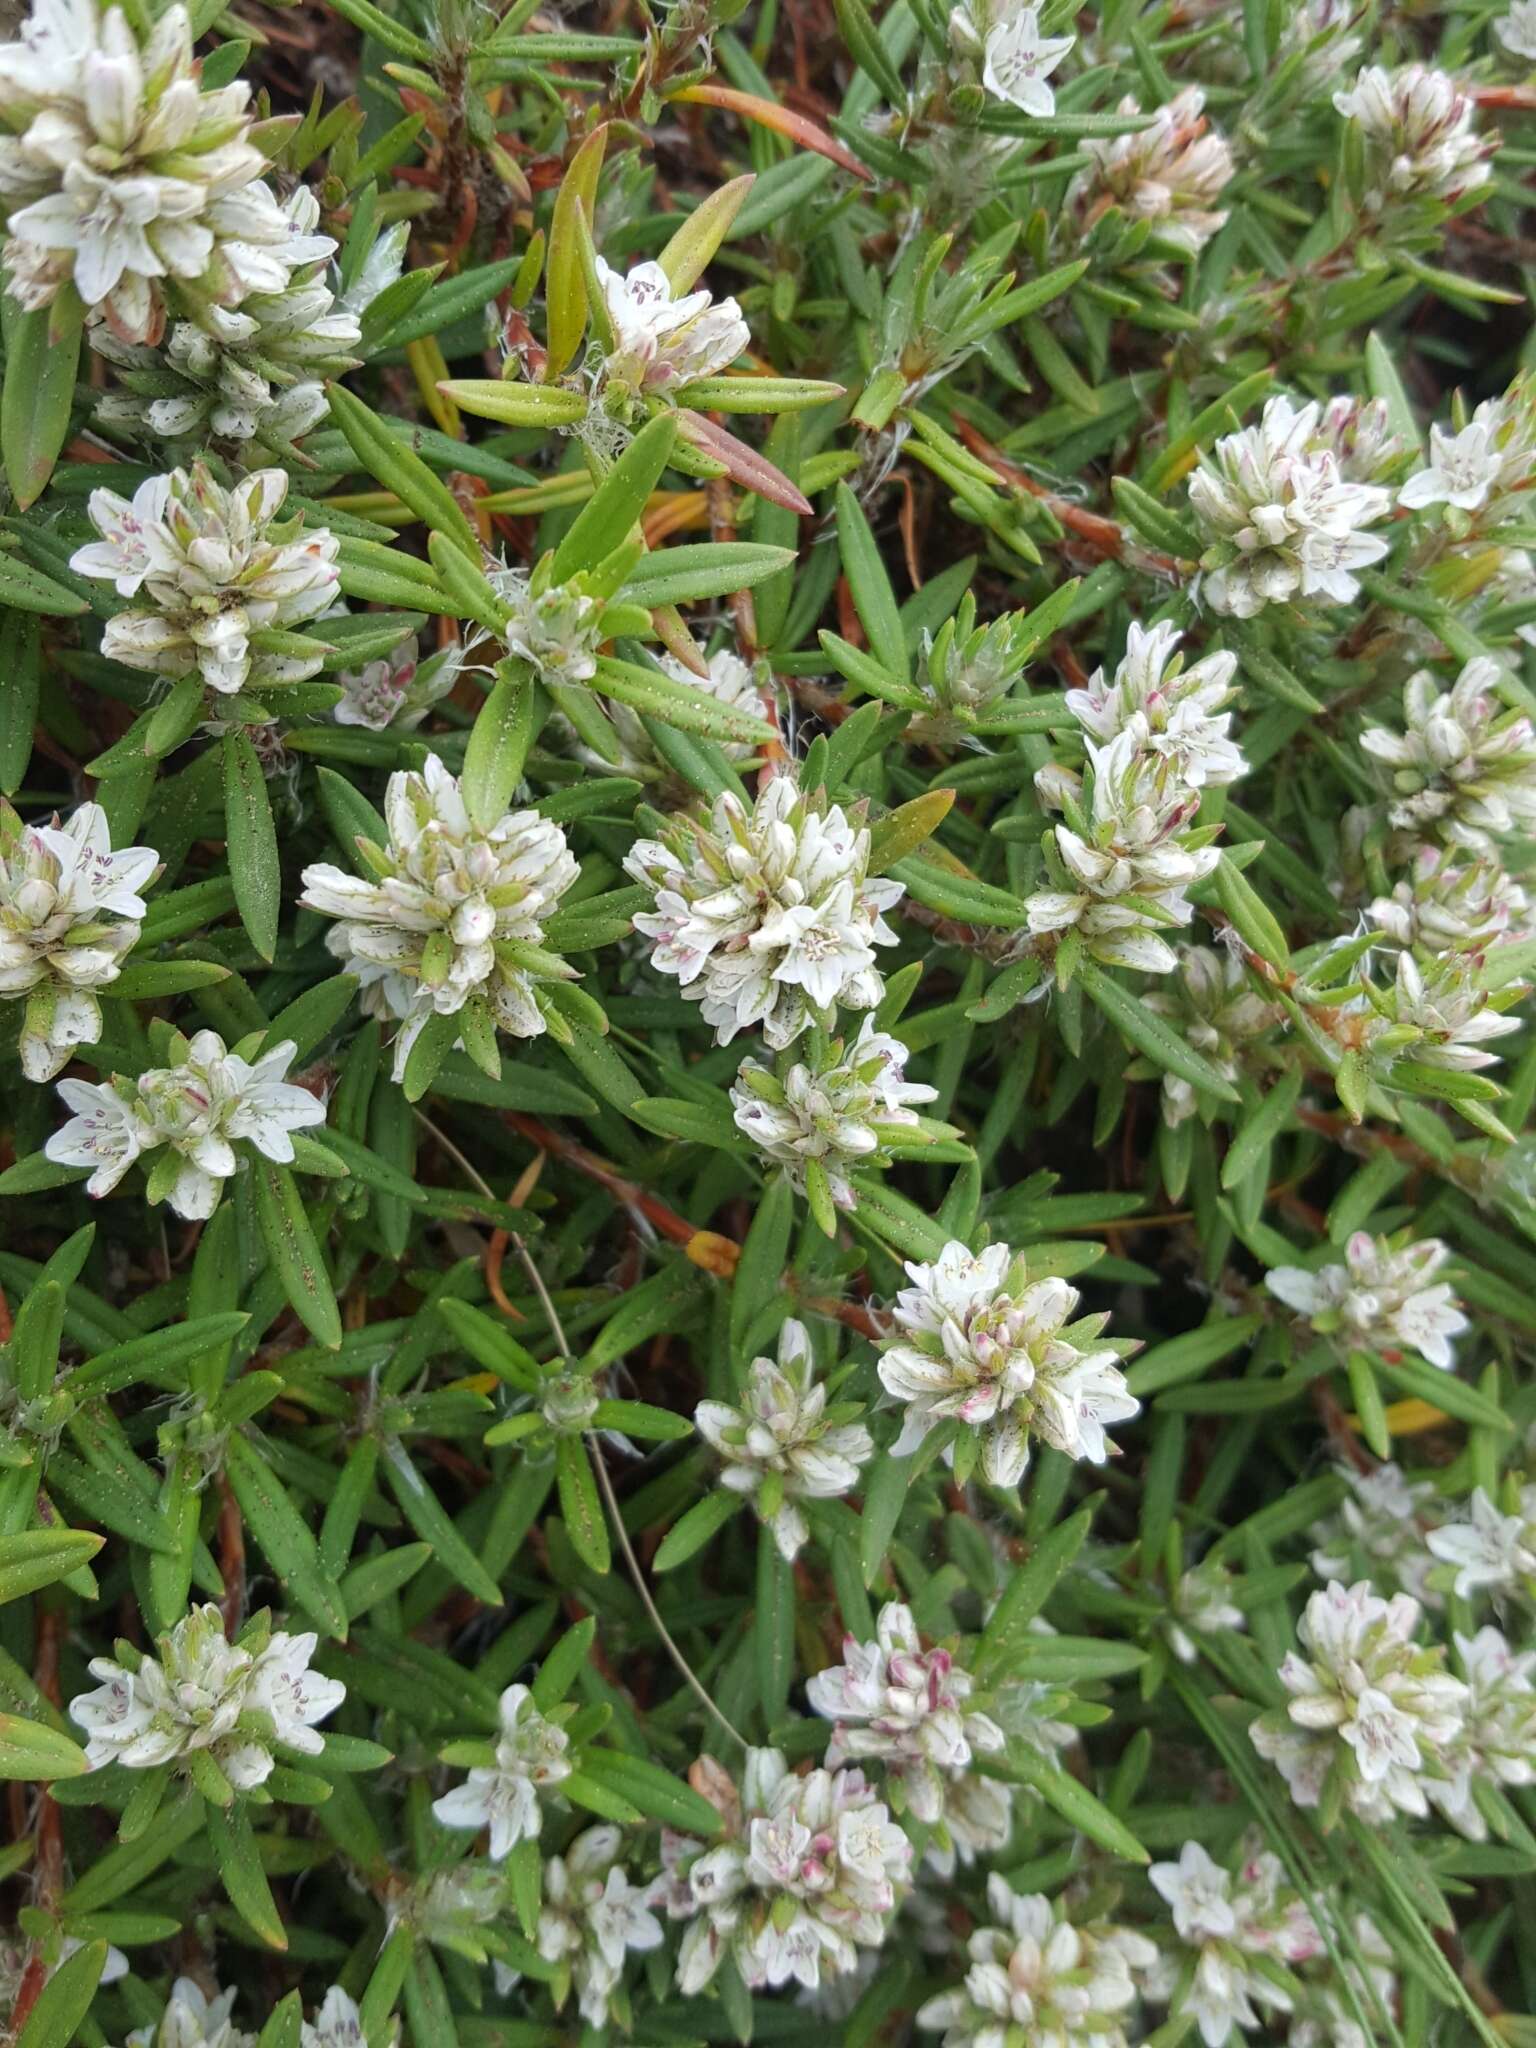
[767,1076]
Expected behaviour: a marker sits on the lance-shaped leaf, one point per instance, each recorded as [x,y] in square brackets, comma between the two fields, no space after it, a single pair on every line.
[401,470]
[662,696]
[686,256]
[254,866]
[613,511]
[565,282]
[696,571]
[42,354]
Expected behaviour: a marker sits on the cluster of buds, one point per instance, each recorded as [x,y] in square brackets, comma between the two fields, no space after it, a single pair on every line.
[249,375]
[767,917]
[213,569]
[1373,1718]
[450,918]
[217,1710]
[1170,173]
[188,1118]
[1122,869]
[555,627]
[1449,904]
[786,1443]
[1281,515]
[983,1347]
[812,1871]
[1463,769]
[970,671]
[907,1707]
[70,909]
[1416,124]
[1440,1015]
[1215,1008]
[833,1114]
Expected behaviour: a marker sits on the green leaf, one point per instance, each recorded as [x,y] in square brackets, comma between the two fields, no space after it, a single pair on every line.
[294,1250]
[1023,1765]
[692,572]
[498,744]
[30,1751]
[245,1883]
[1151,1034]
[565,278]
[427,1516]
[42,355]
[773,1627]
[700,1525]
[65,1999]
[653,1791]
[580,1505]
[254,867]
[400,469]
[37,1557]
[1027,1591]
[284,1536]
[885,1495]
[610,515]
[873,598]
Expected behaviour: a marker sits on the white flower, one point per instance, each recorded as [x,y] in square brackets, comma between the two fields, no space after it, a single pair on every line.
[1281,517]
[986,1347]
[1017,58]
[1419,139]
[1213,1008]
[592,1916]
[1464,768]
[1230,1921]
[1517,29]
[192,2020]
[1175,712]
[813,1870]
[532,1758]
[1380,1532]
[337,2023]
[246,375]
[894,1700]
[205,1693]
[454,913]
[1482,466]
[1370,1706]
[1490,1550]
[105,1133]
[1169,172]
[1380,1298]
[1038,1979]
[210,567]
[661,343]
[1201,1604]
[69,910]
[784,1444]
[120,173]
[837,1113]
[1127,877]
[397,690]
[768,917]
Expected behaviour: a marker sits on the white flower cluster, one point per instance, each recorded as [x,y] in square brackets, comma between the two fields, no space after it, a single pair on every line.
[1384,1297]
[1229,1925]
[245,374]
[832,1114]
[1480,467]
[532,1759]
[812,1873]
[1439,1015]
[1201,1604]
[1174,713]
[766,917]
[205,1694]
[1452,902]
[1463,769]
[1016,58]
[1419,139]
[554,627]
[660,342]
[784,1443]
[1169,173]
[1126,867]
[70,909]
[121,175]
[983,1346]
[197,1111]
[591,1917]
[907,1707]
[1211,1003]
[212,567]
[1382,1532]
[1374,1718]
[451,920]
[1036,1977]
[1281,514]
